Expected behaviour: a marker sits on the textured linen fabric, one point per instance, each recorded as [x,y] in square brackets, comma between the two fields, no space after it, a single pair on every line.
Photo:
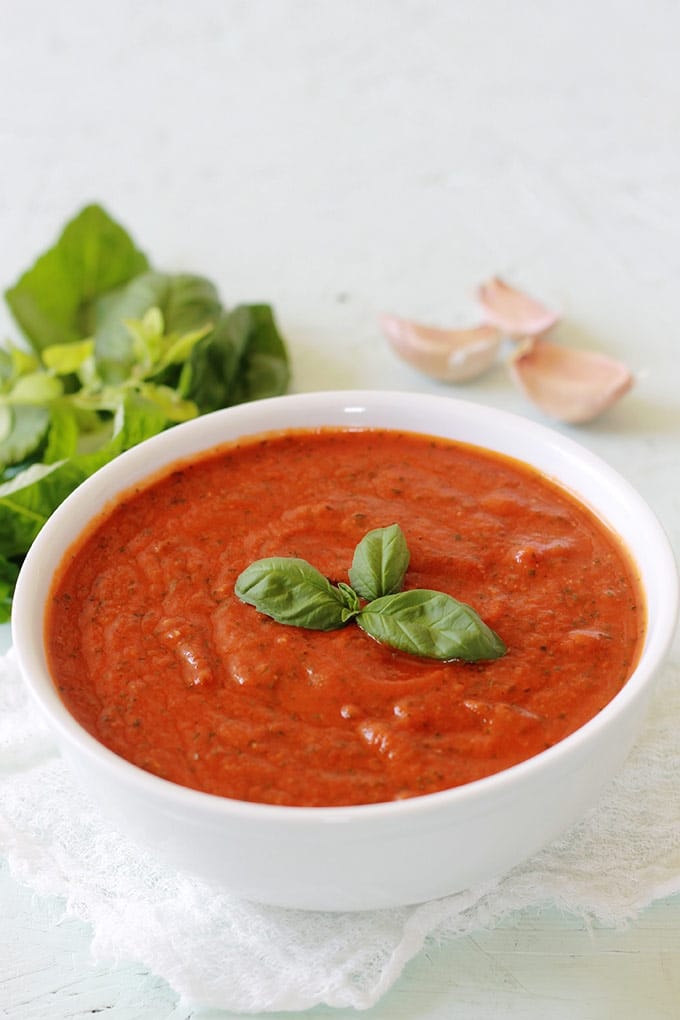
[218,951]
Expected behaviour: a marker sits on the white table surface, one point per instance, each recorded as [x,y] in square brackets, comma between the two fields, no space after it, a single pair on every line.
[339,160]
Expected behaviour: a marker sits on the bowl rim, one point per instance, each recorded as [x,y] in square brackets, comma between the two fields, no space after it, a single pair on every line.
[355,401]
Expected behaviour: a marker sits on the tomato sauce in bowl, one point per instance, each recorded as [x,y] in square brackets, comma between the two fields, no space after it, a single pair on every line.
[156,657]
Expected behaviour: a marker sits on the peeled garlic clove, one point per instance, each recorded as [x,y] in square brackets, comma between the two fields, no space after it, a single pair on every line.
[452,355]
[571,385]
[512,311]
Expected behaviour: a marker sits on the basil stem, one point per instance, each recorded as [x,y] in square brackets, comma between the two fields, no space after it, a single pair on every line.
[349,597]
[431,624]
[380,563]
[293,592]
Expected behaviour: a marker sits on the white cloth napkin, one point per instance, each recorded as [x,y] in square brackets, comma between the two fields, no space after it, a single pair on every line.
[221,952]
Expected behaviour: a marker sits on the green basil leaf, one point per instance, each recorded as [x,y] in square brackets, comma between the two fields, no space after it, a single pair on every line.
[6,370]
[243,358]
[62,439]
[65,359]
[35,388]
[8,575]
[380,562]
[431,624]
[176,349]
[263,370]
[53,301]
[147,339]
[192,301]
[28,499]
[174,408]
[210,371]
[28,425]
[293,592]
[6,421]
[15,363]
[186,303]
[114,343]
[137,419]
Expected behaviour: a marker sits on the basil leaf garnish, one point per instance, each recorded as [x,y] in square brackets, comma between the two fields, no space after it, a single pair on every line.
[432,624]
[421,622]
[293,592]
[380,562]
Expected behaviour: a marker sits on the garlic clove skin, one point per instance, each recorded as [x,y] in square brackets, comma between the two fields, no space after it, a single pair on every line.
[513,312]
[573,386]
[450,355]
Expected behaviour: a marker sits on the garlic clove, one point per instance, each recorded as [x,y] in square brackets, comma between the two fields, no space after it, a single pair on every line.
[512,311]
[571,385]
[451,355]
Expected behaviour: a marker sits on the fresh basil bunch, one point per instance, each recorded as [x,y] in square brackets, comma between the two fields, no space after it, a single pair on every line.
[114,351]
[420,621]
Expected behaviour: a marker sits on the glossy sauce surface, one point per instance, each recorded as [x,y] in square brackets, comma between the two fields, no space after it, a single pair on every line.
[154,654]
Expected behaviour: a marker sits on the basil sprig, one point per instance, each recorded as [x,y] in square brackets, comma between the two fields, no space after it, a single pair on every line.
[420,621]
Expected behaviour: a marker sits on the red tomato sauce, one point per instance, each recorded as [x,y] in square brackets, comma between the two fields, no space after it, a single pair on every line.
[155,655]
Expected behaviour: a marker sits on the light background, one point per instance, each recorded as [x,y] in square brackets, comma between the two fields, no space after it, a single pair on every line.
[343,159]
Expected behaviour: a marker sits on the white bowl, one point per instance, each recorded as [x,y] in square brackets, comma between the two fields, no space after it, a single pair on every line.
[378,855]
